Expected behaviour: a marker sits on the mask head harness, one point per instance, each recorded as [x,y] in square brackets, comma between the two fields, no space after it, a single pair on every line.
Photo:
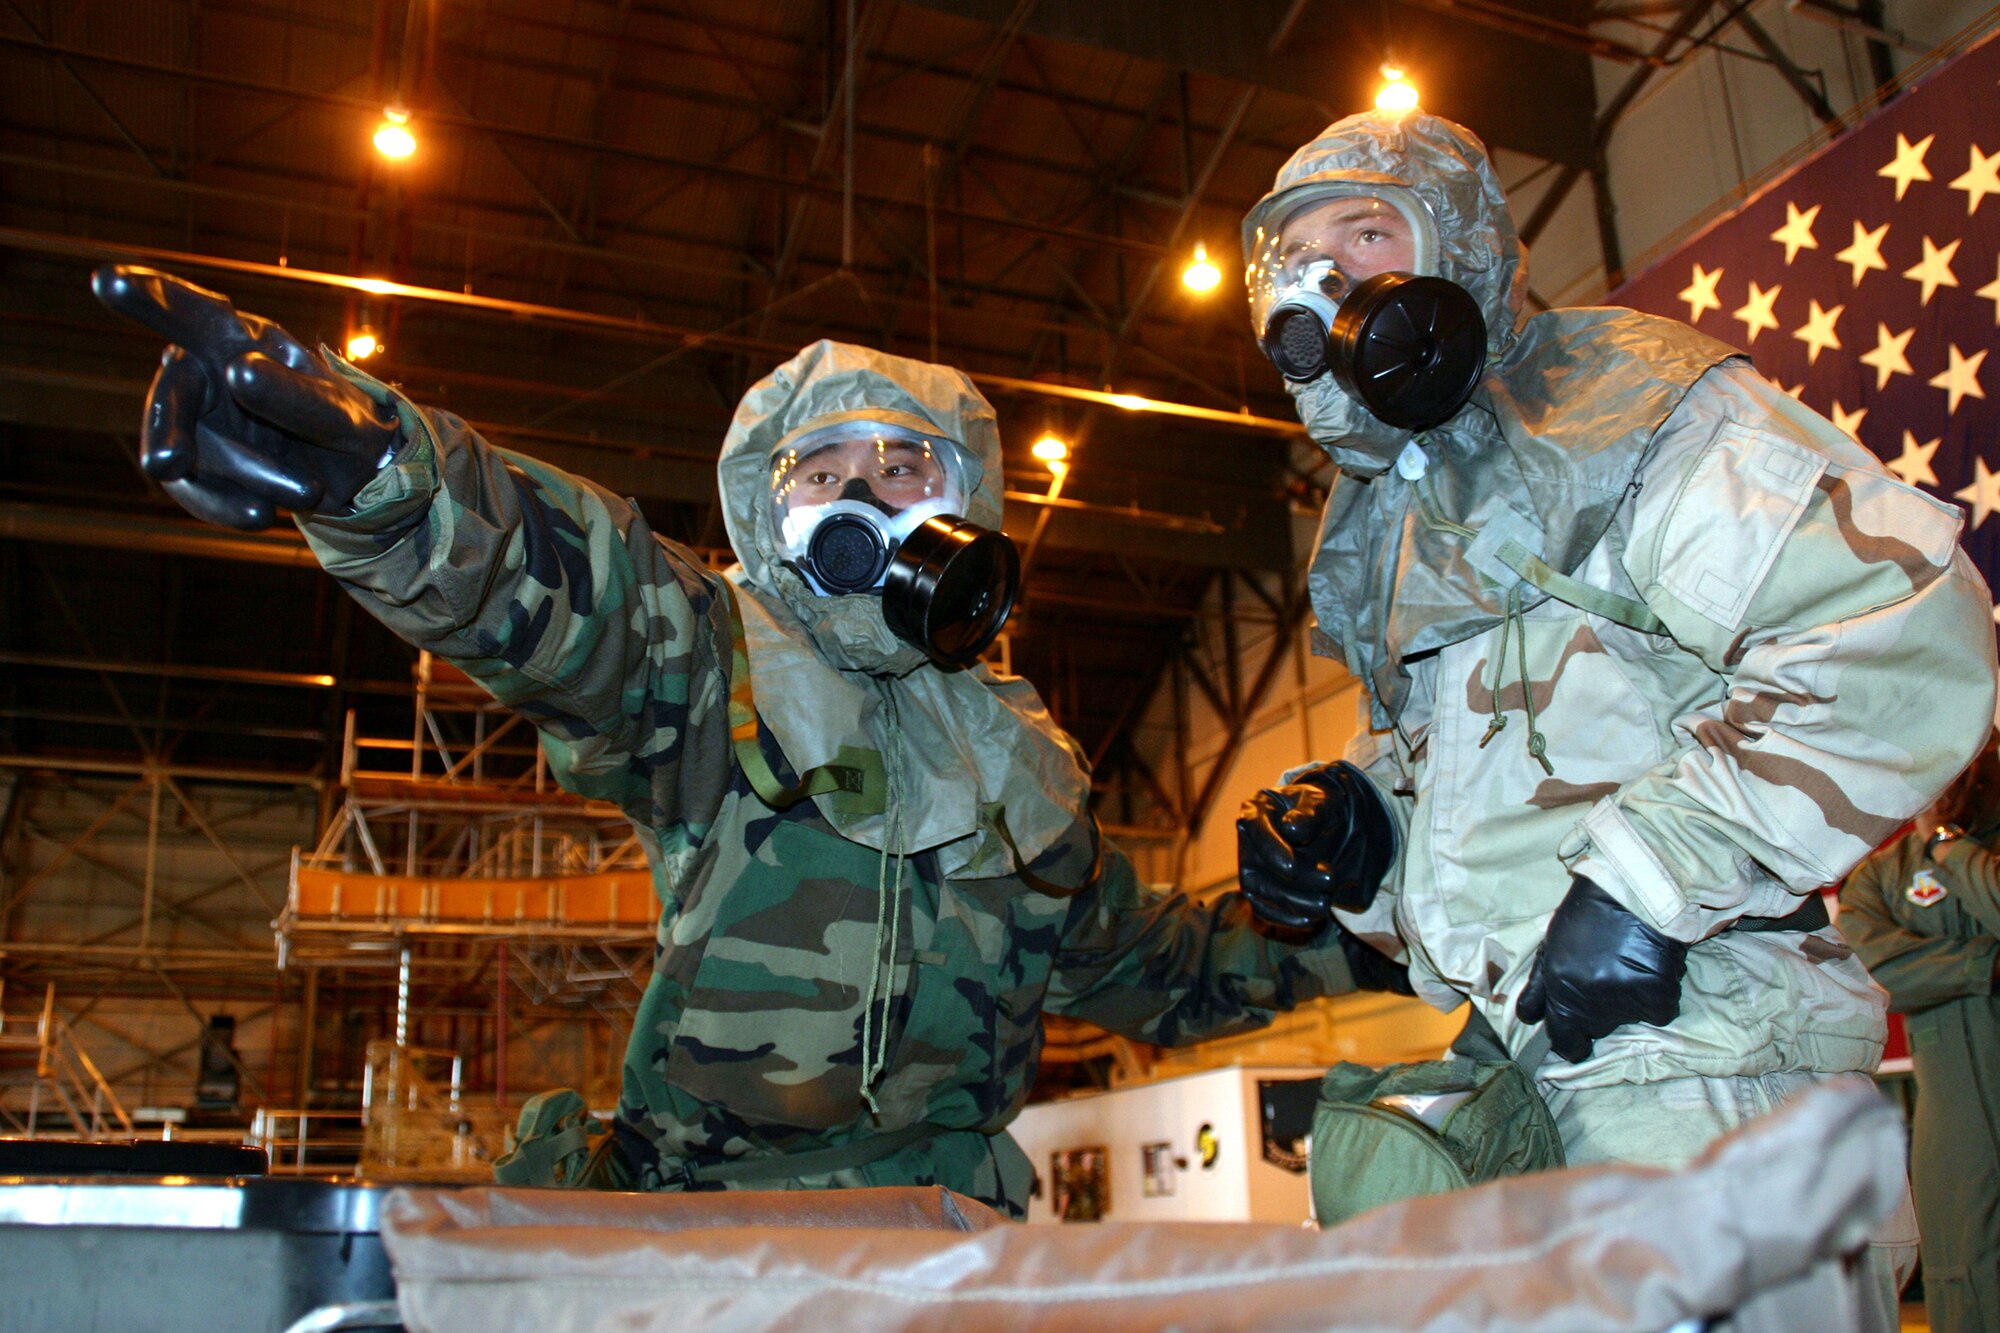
[1409,346]
[866,507]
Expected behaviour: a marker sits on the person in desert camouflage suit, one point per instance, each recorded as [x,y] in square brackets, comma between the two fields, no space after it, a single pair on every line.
[1651,654]
[847,989]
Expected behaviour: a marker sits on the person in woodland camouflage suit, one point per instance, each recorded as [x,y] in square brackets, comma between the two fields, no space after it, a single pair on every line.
[849,977]
[1651,653]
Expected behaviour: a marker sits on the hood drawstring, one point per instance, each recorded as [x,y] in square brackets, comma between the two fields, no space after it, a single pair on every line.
[888,906]
[1512,625]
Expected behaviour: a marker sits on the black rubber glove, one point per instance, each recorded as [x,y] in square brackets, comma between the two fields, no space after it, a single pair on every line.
[242,419]
[1321,841]
[1373,969]
[1600,967]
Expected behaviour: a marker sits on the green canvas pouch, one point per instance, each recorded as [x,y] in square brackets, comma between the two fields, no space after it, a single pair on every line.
[1406,1130]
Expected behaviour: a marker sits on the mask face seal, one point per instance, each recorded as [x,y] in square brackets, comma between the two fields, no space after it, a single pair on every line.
[869,507]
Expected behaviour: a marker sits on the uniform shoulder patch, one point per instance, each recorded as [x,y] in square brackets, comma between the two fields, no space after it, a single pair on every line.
[1924,890]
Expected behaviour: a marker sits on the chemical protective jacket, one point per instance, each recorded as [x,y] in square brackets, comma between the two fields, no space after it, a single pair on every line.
[1643,617]
[753,1034]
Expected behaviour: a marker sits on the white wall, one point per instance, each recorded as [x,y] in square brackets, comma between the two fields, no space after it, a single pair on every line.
[1705,127]
[1239,1185]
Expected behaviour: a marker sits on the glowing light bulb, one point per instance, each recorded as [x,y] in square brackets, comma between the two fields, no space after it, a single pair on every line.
[1050,449]
[1200,275]
[361,345]
[1398,93]
[392,137]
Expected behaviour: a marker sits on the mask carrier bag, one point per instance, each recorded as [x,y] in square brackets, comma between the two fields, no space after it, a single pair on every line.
[1406,1130]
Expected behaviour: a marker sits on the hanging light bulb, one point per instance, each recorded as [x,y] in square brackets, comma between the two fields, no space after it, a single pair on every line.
[392,137]
[1200,275]
[1050,449]
[362,344]
[1397,93]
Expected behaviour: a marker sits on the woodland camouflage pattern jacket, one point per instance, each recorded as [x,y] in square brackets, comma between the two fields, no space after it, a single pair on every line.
[560,600]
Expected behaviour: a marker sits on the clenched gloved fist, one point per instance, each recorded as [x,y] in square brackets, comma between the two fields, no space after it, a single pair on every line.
[242,419]
[1600,967]
[1319,842]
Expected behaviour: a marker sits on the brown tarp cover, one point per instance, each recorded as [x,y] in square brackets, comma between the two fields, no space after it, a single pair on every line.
[1600,1249]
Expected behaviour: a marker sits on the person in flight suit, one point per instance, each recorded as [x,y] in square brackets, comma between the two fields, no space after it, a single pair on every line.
[1924,914]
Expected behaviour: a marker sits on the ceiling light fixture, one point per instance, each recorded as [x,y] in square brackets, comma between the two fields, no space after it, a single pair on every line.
[1397,94]
[1201,275]
[392,137]
[362,344]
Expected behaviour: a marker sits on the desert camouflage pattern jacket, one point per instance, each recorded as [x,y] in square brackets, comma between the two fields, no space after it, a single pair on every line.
[559,599]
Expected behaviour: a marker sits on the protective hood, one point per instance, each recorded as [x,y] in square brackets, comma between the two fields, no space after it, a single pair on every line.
[823,385]
[1446,168]
[1543,454]
[828,673]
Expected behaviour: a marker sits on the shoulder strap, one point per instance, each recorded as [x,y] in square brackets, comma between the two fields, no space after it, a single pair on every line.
[852,770]
[1610,605]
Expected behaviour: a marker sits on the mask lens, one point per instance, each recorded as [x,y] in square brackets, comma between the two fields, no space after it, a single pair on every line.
[843,494]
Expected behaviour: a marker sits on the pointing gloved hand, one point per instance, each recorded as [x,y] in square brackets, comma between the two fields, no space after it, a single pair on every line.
[1600,967]
[1321,841]
[242,419]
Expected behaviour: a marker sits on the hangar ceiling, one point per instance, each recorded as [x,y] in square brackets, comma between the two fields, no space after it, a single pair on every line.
[619,215]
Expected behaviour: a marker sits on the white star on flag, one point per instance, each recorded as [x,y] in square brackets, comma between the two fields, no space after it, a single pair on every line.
[1991,292]
[1865,253]
[1914,467]
[1909,164]
[1984,492]
[1756,312]
[1846,422]
[1817,332]
[1888,358]
[1797,231]
[1934,270]
[1961,378]
[1980,179]
[1700,293]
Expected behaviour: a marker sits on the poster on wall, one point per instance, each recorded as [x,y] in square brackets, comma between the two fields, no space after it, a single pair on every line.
[1081,1189]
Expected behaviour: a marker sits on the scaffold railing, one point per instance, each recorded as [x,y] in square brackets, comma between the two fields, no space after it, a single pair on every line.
[58,1068]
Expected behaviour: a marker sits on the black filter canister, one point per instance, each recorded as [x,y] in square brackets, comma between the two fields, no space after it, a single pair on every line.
[951,588]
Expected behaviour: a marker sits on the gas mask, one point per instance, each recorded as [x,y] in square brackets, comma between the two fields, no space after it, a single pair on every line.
[864,507]
[1369,359]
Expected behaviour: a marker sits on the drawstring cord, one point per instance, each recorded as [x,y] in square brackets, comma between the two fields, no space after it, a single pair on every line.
[1512,625]
[888,906]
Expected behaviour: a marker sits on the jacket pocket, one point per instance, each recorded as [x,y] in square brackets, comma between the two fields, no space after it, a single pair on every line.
[1496,815]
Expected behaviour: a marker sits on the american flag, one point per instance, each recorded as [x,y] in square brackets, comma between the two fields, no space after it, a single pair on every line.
[1866,283]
